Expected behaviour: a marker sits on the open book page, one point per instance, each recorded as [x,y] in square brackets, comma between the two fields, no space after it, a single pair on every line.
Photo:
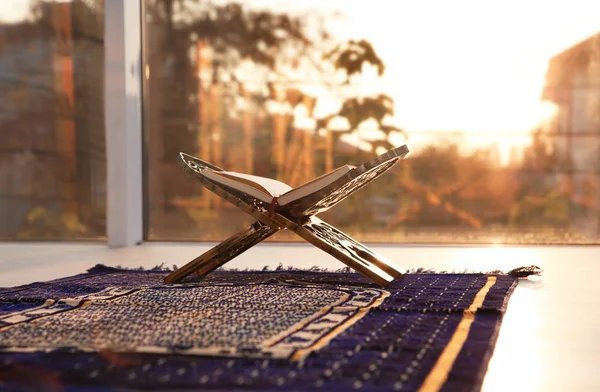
[266,188]
[336,191]
[313,185]
[262,188]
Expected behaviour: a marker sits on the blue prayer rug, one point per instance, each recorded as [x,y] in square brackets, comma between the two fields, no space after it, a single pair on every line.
[110,330]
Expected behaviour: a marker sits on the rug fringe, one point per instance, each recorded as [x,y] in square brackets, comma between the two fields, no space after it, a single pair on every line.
[524,272]
[101,268]
[519,272]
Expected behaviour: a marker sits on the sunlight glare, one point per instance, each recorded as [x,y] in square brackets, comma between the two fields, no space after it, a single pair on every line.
[515,352]
[466,65]
[495,257]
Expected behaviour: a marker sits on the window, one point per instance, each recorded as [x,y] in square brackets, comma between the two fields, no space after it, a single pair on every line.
[485,99]
[52,153]
[499,109]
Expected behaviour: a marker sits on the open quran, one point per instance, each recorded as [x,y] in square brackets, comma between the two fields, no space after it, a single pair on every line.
[277,206]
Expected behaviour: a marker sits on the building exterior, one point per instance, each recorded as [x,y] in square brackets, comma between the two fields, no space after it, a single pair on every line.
[573,85]
[52,154]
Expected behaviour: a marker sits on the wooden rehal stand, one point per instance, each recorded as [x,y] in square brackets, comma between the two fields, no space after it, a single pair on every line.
[298,216]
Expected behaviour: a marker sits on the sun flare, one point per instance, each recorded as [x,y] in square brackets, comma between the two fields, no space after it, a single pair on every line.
[463,66]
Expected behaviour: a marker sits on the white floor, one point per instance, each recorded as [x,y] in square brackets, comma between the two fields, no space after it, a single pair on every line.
[549,339]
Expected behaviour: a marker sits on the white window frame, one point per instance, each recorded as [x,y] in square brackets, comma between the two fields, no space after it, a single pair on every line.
[123,114]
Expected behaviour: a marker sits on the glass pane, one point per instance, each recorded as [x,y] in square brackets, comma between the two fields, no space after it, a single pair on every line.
[499,107]
[52,151]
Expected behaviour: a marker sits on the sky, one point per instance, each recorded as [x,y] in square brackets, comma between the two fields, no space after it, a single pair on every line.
[13,10]
[463,65]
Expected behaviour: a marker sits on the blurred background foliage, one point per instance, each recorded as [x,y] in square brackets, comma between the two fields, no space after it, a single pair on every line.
[269,92]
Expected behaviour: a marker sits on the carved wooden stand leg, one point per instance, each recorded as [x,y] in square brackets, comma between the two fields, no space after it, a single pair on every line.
[222,253]
[349,251]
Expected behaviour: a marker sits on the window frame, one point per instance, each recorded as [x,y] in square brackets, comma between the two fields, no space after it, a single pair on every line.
[123,126]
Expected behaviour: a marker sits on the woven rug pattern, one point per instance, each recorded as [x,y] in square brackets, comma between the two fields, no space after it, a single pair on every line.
[285,330]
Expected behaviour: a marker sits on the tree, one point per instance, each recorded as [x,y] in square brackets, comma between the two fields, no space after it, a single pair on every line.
[221,68]
[435,188]
[542,201]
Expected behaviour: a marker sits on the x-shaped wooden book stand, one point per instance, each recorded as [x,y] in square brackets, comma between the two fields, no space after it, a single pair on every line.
[298,216]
